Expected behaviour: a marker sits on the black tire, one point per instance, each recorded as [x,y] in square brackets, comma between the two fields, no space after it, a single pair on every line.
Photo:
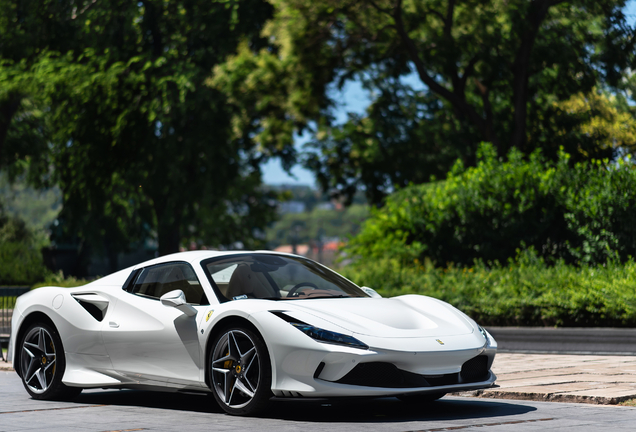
[421,398]
[240,371]
[42,363]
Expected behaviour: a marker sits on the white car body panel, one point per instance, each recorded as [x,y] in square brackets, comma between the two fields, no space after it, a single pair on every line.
[140,342]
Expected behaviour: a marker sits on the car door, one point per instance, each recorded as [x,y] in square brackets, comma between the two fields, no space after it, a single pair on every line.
[151,343]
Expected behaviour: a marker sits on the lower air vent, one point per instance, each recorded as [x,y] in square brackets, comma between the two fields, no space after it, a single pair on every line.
[387,375]
[319,369]
[475,369]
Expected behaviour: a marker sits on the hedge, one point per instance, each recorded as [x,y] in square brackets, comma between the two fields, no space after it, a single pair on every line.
[581,213]
[525,292]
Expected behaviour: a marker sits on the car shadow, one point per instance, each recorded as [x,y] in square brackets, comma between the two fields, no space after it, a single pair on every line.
[151,399]
[393,410]
[381,410]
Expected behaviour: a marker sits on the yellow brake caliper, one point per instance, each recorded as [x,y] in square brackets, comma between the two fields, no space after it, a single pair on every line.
[55,364]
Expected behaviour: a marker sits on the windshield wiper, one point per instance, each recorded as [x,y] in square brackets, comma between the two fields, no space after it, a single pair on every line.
[323,297]
[305,298]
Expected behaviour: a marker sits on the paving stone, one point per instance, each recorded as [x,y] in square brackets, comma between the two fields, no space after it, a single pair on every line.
[580,378]
[559,379]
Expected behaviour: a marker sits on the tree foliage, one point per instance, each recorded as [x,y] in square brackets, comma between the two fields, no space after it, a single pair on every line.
[138,142]
[20,258]
[317,225]
[488,70]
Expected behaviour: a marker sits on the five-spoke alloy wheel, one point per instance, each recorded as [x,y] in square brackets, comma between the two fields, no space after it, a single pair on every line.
[42,363]
[240,371]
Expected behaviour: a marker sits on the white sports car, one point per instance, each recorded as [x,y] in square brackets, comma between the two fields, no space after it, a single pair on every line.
[247,327]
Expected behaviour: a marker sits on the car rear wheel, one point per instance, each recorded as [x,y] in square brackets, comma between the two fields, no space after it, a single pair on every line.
[42,364]
[240,372]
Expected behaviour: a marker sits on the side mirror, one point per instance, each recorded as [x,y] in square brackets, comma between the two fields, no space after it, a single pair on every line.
[371,292]
[177,299]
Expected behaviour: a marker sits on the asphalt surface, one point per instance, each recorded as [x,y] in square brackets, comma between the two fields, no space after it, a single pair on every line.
[128,410]
[546,340]
[591,379]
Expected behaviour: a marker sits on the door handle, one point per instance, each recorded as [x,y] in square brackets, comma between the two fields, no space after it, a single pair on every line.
[113,324]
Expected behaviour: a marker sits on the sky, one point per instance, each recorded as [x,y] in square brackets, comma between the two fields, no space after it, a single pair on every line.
[352,98]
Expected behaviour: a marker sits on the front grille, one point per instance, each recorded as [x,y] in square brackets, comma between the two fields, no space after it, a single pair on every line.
[387,375]
[475,369]
[442,380]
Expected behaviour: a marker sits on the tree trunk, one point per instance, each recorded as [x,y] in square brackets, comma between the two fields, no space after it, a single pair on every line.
[169,239]
[7,111]
[111,256]
[521,69]
[168,226]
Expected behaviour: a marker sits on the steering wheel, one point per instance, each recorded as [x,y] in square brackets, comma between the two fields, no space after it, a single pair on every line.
[298,286]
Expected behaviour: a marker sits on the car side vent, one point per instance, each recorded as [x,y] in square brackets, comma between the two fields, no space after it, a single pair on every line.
[94,304]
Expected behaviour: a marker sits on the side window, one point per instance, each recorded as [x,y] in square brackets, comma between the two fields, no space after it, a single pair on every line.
[221,276]
[155,281]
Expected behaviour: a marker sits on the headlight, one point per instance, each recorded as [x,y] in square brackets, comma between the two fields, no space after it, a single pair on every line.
[330,337]
[483,333]
[321,335]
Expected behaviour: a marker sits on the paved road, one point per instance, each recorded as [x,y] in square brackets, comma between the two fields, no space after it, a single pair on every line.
[614,341]
[128,410]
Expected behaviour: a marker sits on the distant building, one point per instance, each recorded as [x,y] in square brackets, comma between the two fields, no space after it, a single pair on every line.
[301,249]
[326,206]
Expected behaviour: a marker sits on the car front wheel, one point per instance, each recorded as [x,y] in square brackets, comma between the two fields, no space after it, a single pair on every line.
[42,364]
[240,372]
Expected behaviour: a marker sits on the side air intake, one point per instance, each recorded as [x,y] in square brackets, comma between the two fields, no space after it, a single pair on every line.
[94,304]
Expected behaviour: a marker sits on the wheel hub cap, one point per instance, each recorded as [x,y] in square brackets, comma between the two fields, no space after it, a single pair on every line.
[37,361]
[235,369]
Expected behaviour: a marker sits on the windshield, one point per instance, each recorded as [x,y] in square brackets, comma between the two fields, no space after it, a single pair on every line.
[275,277]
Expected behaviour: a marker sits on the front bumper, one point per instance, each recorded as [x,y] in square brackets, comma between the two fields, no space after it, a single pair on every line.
[305,368]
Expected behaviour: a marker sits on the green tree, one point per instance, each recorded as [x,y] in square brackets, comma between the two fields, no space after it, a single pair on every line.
[28,28]
[20,257]
[317,224]
[491,70]
[138,141]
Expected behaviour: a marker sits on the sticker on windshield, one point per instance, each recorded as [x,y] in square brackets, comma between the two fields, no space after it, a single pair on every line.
[241,297]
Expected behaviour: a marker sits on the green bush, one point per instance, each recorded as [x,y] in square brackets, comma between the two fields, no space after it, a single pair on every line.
[20,265]
[20,258]
[525,292]
[59,280]
[581,213]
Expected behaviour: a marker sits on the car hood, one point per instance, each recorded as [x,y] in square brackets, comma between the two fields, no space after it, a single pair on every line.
[404,316]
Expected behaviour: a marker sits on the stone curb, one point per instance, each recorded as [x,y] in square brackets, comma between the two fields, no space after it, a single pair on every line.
[6,366]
